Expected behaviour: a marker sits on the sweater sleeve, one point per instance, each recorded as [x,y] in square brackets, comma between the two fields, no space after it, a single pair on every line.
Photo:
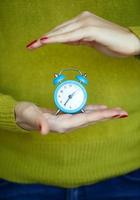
[135,30]
[7,115]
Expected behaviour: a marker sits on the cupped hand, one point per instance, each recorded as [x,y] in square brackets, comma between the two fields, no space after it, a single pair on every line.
[89,29]
[31,117]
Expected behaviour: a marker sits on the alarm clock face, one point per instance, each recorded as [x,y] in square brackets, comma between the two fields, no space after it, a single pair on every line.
[70,96]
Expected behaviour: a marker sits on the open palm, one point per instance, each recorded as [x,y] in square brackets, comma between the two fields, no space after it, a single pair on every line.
[93,113]
[32,117]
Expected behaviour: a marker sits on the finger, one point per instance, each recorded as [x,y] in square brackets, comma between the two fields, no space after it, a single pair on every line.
[36,43]
[37,120]
[69,22]
[120,114]
[98,107]
[115,116]
[78,42]
[85,118]
[73,20]
[75,35]
[95,107]
[32,118]
[43,125]
[105,114]
[51,39]
[108,43]
[64,29]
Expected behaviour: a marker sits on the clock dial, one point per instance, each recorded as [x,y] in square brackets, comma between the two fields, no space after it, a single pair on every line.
[70,96]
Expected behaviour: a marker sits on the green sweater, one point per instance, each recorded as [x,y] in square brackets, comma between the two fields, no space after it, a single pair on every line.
[86,155]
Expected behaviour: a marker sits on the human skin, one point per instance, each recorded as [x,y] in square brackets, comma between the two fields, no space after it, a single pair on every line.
[85,29]
[32,117]
[89,29]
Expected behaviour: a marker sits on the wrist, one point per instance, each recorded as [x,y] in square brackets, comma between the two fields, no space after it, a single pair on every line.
[20,111]
[27,115]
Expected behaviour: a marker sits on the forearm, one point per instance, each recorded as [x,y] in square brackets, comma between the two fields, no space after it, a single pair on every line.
[7,114]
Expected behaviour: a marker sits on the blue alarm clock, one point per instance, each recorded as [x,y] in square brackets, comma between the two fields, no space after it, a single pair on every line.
[70,96]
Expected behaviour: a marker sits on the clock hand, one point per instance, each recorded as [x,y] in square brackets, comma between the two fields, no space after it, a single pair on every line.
[67,100]
[69,97]
[73,93]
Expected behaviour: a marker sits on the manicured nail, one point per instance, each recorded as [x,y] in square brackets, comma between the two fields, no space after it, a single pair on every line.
[115,116]
[29,45]
[44,38]
[123,116]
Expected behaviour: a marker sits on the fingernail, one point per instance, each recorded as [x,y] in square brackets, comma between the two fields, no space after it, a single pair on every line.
[29,45]
[115,116]
[44,38]
[123,116]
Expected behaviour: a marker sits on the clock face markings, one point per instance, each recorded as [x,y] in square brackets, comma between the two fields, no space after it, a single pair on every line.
[70,96]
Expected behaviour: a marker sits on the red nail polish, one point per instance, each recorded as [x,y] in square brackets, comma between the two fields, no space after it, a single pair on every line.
[123,116]
[44,38]
[115,116]
[29,45]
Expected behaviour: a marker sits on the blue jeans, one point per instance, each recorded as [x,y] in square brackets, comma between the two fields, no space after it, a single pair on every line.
[126,187]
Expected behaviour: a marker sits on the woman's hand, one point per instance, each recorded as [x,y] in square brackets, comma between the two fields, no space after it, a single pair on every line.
[89,29]
[31,117]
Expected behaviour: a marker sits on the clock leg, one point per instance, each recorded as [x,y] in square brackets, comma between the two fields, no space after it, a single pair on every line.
[82,110]
[58,111]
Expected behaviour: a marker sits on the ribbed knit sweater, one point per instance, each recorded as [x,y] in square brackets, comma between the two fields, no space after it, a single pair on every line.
[86,155]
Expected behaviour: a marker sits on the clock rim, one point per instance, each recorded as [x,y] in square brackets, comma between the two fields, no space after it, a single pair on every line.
[66,110]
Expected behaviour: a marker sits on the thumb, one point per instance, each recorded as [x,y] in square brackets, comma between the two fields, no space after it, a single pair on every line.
[43,126]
